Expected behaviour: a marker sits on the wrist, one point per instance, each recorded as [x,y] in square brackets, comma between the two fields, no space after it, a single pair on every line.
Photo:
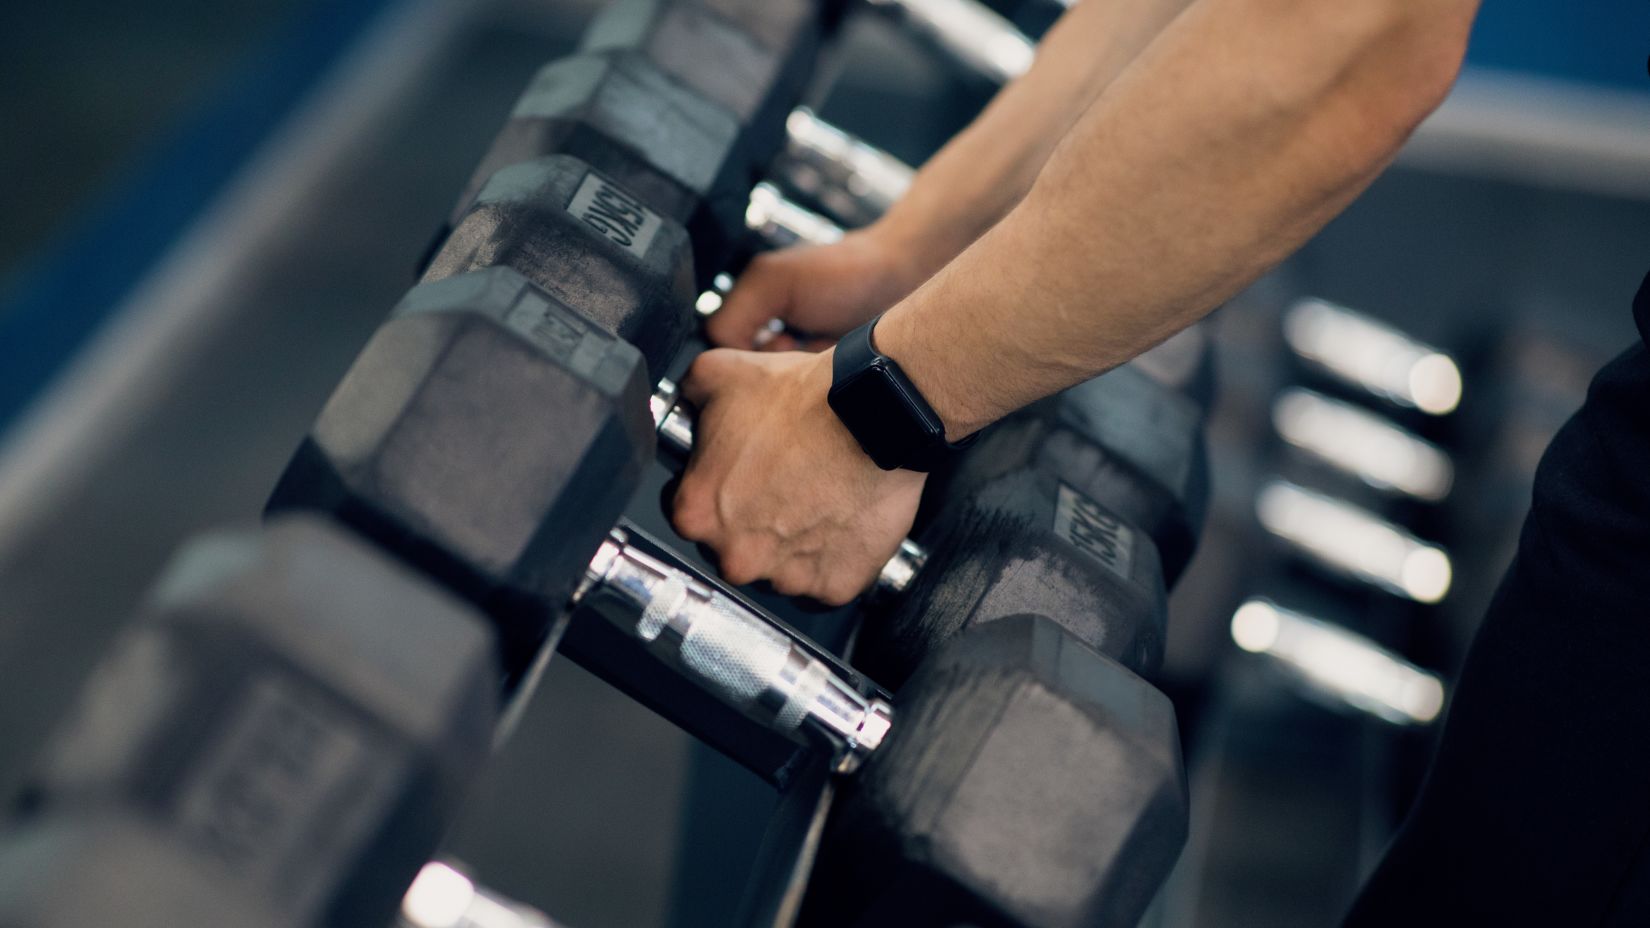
[883,409]
[908,249]
[942,380]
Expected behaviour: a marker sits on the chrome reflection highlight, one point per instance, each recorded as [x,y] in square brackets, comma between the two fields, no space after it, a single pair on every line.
[1363,445]
[969,32]
[782,223]
[442,897]
[853,181]
[1338,665]
[1354,541]
[1373,356]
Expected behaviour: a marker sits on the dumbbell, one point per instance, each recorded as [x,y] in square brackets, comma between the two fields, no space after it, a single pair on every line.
[524,224]
[278,739]
[1120,438]
[975,799]
[519,219]
[682,102]
[686,104]
[1025,780]
[491,435]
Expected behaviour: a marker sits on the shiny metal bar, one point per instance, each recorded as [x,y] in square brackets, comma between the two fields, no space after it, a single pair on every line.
[737,654]
[1368,354]
[1363,445]
[852,180]
[1338,665]
[1355,542]
[968,33]
[782,223]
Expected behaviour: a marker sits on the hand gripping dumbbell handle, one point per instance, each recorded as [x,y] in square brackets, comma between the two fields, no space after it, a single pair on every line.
[969,32]
[674,421]
[735,653]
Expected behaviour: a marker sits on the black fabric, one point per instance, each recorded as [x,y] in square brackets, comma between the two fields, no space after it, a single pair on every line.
[1537,808]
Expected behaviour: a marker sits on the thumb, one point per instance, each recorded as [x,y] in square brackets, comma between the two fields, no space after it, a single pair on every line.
[708,374]
[762,294]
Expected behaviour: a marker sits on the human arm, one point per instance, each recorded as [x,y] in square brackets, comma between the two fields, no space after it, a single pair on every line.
[961,191]
[1234,136]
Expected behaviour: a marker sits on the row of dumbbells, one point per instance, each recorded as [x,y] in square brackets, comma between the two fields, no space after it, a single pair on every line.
[288,728]
[1357,484]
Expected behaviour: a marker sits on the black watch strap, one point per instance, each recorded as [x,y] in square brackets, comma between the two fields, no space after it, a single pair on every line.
[883,409]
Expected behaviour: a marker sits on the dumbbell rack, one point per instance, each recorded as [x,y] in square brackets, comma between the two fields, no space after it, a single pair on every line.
[779,890]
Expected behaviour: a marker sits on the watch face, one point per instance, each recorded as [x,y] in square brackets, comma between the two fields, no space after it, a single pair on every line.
[878,408]
[871,399]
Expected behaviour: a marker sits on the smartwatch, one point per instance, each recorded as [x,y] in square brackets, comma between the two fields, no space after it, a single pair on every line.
[883,409]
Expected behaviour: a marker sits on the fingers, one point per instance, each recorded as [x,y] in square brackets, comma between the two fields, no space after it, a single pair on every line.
[707,376]
[762,294]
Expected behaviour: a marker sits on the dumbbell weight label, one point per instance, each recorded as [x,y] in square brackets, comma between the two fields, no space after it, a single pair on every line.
[558,331]
[1094,531]
[617,215]
[285,770]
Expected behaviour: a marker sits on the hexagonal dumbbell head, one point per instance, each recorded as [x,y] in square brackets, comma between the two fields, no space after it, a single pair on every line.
[661,144]
[489,435]
[588,241]
[1185,363]
[753,58]
[1028,782]
[1024,541]
[1123,440]
[290,722]
[115,868]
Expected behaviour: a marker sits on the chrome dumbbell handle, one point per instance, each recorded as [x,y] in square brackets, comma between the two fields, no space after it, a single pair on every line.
[852,180]
[674,421]
[781,223]
[737,653]
[968,32]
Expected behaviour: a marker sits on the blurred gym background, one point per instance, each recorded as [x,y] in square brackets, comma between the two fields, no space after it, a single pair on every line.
[209,206]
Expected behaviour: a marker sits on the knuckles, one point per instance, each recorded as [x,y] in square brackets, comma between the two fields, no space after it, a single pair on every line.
[694,513]
[742,561]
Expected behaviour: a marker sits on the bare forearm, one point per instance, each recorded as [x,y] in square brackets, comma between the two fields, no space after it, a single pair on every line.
[1238,133]
[983,172]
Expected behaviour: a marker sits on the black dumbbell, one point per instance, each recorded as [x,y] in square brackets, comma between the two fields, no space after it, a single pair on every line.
[1021,779]
[1122,439]
[279,739]
[491,435]
[673,150]
[687,103]
[752,58]
[682,102]
[588,241]
[990,812]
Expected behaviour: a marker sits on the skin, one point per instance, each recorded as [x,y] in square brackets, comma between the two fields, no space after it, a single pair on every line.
[1100,204]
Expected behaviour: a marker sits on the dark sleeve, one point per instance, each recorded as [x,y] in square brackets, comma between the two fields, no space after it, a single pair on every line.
[1536,810]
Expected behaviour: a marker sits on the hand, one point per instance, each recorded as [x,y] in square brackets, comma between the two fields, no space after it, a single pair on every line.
[824,291]
[778,487]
